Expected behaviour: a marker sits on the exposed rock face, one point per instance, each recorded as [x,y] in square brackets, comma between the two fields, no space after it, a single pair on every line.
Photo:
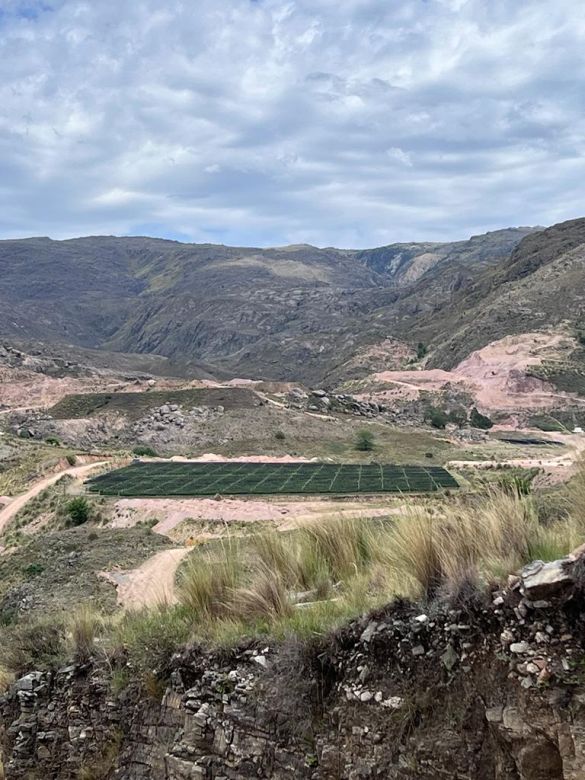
[488,690]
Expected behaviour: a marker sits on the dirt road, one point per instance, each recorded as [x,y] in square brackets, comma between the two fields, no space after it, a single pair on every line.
[12,509]
[150,584]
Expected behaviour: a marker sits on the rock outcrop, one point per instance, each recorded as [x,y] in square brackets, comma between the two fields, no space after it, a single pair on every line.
[488,687]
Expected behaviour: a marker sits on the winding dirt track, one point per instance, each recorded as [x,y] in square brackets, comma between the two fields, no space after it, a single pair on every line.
[12,509]
[150,584]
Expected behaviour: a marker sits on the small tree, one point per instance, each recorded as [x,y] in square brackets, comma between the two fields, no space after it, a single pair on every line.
[437,418]
[479,420]
[421,350]
[364,441]
[78,510]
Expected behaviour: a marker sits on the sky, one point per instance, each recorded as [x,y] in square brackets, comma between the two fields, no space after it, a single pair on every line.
[350,123]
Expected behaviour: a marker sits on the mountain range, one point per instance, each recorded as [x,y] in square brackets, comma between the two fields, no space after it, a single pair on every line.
[296,312]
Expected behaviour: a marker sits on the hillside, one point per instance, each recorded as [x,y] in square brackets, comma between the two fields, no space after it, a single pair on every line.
[291,312]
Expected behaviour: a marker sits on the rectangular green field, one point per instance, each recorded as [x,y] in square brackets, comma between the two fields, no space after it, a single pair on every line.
[239,478]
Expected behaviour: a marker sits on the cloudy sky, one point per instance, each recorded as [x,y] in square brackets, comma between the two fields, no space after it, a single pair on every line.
[262,122]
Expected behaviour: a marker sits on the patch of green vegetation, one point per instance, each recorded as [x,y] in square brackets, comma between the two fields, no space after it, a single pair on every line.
[60,569]
[57,509]
[25,461]
[437,417]
[561,420]
[567,377]
[479,420]
[136,405]
[421,350]
[364,441]
[78,510]
[145,451]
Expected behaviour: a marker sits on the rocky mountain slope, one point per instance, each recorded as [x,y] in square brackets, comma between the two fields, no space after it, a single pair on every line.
[292,312]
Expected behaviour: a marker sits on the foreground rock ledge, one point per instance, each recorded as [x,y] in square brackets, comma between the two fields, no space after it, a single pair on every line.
[491,689]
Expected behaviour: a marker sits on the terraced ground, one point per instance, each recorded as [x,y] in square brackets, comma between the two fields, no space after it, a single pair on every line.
[239,478]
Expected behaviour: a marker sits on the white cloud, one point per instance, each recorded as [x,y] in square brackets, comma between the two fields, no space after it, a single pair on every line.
[351,124]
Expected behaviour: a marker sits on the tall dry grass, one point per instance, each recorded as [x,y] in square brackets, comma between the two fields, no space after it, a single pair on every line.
[209,578]
[85,625]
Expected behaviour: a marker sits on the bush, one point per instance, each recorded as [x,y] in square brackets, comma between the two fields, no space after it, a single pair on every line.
[364,441]
[78,510]
[71,459]
[279,435]
[437,418]
[421,350]
[53,441]
[145,450]
[479,420]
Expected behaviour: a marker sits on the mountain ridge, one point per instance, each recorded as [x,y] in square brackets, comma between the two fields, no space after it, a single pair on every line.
[283,313]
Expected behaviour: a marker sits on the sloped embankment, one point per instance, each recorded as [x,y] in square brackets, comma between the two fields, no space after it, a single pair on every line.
[489,687]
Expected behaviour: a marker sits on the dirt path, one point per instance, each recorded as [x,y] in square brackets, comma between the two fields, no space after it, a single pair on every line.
[12,509]
[150,584]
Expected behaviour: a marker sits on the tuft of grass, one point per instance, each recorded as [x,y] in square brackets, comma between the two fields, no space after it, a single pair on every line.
[208,580]
[33,645]
[414,552]
[148,638]
[86,624]
[265,598]
[345,545]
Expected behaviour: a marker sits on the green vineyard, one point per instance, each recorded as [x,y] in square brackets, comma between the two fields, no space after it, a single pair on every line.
[240,478]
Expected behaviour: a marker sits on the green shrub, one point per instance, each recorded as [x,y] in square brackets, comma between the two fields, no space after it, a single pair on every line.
[78,510]
[33,570]
[145,450]
[71,459]
[479,420]
[53,441]
[280,435]
[421,350]
[364,441]
[437,418]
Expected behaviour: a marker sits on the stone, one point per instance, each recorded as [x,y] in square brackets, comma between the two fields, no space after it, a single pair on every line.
[542,580]
[494,714]
[393,702]
[449,658]
[29,681]
[519,647]
[369,631]
[418,650]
